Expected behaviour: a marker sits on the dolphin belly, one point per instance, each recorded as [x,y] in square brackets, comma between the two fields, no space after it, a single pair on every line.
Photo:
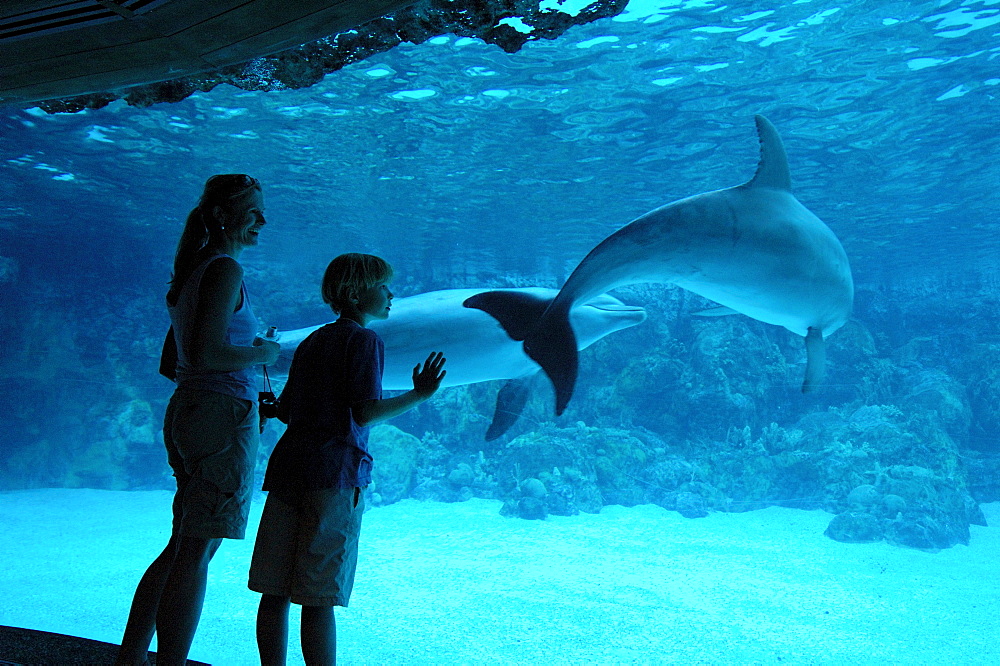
[490,357]
[768,308]
[781,265]
[477,347]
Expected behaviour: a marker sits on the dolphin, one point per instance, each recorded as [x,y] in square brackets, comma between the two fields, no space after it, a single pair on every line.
[478,349]
[753,248]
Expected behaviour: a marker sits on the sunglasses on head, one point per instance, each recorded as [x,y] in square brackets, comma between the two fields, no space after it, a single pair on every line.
[237,183]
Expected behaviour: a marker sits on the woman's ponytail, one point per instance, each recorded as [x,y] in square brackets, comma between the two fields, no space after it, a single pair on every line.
[201,225]
[193,239]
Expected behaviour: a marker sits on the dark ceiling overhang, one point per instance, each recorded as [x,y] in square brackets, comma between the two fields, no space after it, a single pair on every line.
[61,48]
[68,55]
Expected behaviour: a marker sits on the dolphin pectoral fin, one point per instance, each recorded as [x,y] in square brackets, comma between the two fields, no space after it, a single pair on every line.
[516,312]
[772,171]
[718,311]
[511,399]
[815,360]
[553,346]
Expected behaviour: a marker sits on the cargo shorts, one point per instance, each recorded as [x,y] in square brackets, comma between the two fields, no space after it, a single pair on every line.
[212,442]
[307,546]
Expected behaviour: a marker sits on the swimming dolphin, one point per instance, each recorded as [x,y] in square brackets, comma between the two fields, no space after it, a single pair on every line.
[753,248]
[476,346]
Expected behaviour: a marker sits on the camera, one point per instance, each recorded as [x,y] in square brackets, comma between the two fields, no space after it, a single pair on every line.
[267,407]
[268,404]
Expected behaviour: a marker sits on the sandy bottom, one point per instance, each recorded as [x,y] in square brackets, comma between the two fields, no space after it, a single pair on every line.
[457,583]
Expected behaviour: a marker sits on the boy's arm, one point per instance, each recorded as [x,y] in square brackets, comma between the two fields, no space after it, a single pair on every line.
[375,411]
[425,382]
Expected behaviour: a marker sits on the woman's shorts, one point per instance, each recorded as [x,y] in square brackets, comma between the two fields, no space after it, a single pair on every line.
[212,442]
[307,546]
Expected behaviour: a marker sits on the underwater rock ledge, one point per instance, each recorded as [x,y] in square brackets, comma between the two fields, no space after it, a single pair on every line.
[306,65]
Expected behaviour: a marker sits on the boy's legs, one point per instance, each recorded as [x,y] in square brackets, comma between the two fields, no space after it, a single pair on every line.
[319,636]
[334,520]
[306,552]
[272,630]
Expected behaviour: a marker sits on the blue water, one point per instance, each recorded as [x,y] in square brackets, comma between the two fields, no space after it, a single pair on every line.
[465,166]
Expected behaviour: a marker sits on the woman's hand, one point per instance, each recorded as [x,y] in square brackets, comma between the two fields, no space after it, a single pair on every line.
[427,380]
[271,349]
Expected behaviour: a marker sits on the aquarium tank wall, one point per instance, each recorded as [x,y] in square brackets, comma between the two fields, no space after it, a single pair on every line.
[691,504]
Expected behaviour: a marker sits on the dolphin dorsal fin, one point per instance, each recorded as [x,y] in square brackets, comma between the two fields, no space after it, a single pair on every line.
[773,168]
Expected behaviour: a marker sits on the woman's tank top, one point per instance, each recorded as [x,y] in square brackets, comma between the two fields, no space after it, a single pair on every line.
[241,332]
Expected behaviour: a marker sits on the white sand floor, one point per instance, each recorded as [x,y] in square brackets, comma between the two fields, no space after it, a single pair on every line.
[459,584]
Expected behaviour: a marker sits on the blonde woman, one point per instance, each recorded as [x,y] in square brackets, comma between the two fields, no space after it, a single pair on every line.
[211,426]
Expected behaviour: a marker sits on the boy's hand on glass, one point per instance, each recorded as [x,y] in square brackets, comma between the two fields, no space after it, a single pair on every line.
[428,379]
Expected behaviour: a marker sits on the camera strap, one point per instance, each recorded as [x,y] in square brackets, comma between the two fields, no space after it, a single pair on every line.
[267,380]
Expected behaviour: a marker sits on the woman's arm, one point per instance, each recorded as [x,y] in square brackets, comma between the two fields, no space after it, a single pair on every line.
[218,297]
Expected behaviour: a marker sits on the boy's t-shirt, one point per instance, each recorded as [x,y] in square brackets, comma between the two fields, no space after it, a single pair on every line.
[337,366]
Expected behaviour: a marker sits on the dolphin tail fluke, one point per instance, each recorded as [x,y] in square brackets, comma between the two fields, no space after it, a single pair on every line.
[553,346]
[518,313]
[815,360]
[548,337]
[510,403]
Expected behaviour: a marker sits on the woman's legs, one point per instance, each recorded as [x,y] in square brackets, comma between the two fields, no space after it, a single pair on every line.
[142,616]
[211,442]
[319,636]
[182,599]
